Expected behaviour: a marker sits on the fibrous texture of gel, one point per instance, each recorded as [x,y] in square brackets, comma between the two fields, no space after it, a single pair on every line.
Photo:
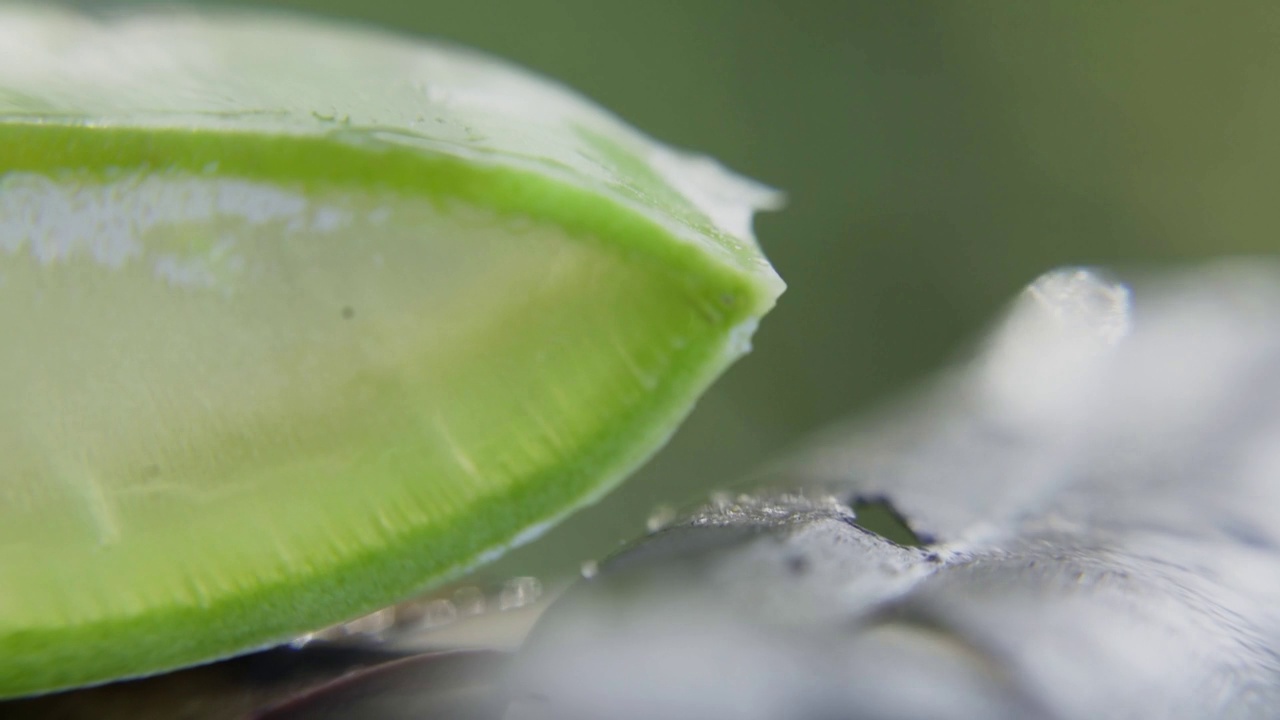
[297,319]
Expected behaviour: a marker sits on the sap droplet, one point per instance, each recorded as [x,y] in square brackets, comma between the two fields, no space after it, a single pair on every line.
[438,612]
[469,601]
[1049,351]
[721,500]
[1085,301]
[519,592]
[661,517]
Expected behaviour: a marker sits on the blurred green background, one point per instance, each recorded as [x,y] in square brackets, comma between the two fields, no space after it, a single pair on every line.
[938,155]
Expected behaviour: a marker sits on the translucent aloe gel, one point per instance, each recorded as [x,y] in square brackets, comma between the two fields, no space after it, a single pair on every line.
[299,319]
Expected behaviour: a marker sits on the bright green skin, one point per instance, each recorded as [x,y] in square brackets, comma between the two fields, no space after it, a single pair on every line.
[534,333]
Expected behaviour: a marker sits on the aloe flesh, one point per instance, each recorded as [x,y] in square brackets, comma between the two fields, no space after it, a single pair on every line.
[266,370]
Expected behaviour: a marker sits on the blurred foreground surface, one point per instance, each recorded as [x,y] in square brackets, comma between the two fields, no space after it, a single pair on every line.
[1095,502]
[1088,525]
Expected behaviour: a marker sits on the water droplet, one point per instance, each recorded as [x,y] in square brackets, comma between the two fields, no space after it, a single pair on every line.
[469,601]
[519,592]
[1085,301]
[1050,349]
[661,517]
[590,569]
[438,612]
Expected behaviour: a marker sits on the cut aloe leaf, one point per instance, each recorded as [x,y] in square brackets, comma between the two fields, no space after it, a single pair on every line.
[298,319]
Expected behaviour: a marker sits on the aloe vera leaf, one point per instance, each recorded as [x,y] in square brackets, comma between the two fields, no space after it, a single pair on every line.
[299,319]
